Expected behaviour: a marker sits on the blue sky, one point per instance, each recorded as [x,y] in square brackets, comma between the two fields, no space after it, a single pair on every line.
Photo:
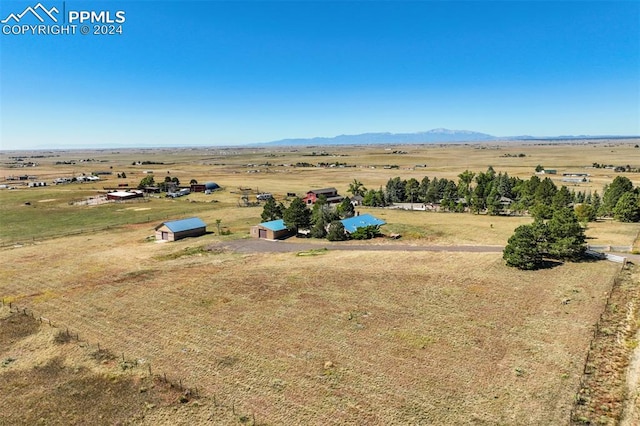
[188,73]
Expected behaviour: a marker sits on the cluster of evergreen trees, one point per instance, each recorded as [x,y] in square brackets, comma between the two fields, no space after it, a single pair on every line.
[556,232]
[323,219]
[561,238]
[489,192]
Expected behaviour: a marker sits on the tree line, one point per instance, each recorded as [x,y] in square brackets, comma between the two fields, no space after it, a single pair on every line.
[495,193]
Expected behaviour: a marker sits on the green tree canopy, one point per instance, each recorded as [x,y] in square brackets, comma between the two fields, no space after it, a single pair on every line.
[271,210]
[297,215]
[374,198]
[563,198]
[345,209]
[585,212]
[146,181]
[521,250]
[627,208]
[613,192]
[336,231]
[566,235]
[357,188]
[366,232]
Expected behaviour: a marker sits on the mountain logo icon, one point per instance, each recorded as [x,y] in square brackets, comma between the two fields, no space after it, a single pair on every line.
[39,11]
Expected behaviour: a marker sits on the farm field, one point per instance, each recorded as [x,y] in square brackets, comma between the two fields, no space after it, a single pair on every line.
[331,337]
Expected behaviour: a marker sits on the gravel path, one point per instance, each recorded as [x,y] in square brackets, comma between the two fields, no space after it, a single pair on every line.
[254,245]
[266,246]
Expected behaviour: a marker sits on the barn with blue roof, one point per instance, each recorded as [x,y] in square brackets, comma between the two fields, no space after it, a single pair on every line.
[178,229]
[272,230]
[353,223]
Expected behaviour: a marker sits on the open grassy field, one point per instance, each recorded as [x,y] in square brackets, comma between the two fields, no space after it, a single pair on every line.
[340,338]
[343,337]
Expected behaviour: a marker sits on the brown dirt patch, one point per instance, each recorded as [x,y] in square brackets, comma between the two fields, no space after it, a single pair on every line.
[13,328]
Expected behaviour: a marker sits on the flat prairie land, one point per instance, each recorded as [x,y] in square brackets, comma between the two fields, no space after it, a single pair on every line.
[36,213]
[331,337]
[338,338]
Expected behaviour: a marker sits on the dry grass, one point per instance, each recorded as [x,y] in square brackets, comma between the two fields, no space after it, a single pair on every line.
[341,338]
[44,380]
[601,398]
[379,338]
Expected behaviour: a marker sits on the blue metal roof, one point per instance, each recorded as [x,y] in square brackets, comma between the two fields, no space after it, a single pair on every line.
[353,223]
[185,224]
[274,225]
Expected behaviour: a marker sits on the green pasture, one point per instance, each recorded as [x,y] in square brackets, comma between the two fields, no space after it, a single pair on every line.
[39,213]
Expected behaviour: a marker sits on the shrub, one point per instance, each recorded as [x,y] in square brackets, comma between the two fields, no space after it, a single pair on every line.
[366,232]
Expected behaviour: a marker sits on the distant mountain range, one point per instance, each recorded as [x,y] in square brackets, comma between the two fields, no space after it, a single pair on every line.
[431,136]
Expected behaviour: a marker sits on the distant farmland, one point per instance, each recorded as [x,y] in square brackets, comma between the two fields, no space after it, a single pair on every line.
[331,337]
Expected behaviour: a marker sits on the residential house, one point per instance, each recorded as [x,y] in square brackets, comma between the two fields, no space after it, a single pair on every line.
[331,195]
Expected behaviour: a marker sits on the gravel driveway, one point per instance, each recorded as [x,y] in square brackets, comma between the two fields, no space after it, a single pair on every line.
[254,245]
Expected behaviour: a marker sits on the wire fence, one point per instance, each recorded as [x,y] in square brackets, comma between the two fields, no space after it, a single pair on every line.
[587,369]
[188,393]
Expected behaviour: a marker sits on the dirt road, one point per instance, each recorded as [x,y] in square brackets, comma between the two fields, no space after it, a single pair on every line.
[266,246]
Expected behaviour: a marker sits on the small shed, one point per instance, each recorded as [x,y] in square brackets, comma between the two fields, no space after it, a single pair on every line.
[272,230]
[353,223]
[178,229]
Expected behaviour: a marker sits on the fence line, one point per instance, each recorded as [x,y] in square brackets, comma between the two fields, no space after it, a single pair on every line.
[586,369]
[188,393]
[609,247]
[124,363]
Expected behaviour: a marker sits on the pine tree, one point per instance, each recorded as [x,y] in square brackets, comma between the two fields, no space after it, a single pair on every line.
[627,208]
[566,235]
[271,210]
[521,251]
[297,215]
[613,192]
[562,198]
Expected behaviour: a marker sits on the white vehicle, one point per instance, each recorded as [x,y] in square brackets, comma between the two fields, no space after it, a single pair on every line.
[264,196]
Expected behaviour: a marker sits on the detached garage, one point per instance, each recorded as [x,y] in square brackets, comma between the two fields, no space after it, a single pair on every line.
[178,229]
[272,230]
